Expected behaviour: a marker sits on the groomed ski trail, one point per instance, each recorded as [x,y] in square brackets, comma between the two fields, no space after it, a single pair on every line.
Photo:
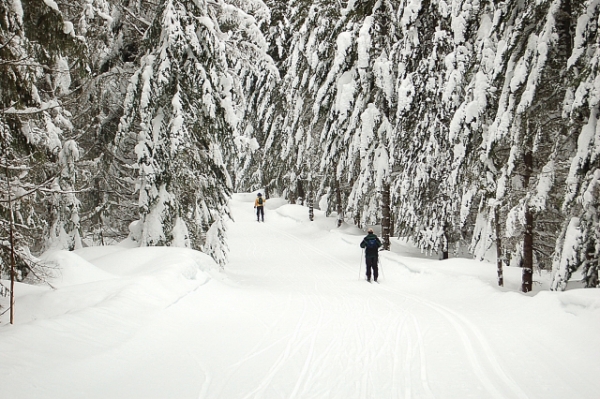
[291,317]
[331,335]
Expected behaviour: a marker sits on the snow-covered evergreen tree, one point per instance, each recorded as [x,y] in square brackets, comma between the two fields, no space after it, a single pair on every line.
[432,59]
[579,244]
[262,94]
[282,111]
[362,127]
[522,147]
[36,76]
[64,228]
[180,108]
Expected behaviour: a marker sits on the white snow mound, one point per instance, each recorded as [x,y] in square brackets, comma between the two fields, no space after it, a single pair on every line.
[142,261]
[71,269]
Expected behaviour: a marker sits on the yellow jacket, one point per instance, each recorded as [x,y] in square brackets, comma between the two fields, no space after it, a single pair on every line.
[256,202]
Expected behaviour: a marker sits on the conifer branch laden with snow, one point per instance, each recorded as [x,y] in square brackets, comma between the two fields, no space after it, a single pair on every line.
[40,56]
[180,106]
[471,103]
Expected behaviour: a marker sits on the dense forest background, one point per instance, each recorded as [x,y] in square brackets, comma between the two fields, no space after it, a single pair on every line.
[466,126]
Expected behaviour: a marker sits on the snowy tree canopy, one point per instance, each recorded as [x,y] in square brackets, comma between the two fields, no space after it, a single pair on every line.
[180,106]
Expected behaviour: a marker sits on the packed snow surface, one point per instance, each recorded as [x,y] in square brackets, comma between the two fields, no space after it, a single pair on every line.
[292,317]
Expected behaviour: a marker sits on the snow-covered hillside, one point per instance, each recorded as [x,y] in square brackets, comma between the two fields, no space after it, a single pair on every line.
[292,317]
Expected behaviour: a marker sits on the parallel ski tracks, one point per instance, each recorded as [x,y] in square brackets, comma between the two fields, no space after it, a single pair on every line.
[480,354]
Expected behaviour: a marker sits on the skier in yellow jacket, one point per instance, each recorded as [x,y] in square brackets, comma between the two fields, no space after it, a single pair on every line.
[259,205]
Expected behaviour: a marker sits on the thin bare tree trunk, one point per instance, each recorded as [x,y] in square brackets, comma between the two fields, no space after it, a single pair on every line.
[12,247]
[385,213]
[300,194]
[311,206]
[444,248]
[339,207]
[392,221]
[498,247]
[527,276]
[12,265]
[591,269]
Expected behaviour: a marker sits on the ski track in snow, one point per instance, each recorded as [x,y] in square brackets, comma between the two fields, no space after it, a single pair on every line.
[481,356]
[482,359]
[292,320]
[406,352]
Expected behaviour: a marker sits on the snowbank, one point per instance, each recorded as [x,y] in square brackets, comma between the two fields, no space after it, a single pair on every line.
[68,268]
[111,280]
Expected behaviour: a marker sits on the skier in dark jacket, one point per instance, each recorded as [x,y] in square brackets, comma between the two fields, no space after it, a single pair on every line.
[372,243]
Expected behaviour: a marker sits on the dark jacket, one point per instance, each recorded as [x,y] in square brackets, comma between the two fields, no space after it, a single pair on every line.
[371,252]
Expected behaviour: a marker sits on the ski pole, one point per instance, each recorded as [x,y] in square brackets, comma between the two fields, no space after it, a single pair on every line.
[360,263]
[380,268]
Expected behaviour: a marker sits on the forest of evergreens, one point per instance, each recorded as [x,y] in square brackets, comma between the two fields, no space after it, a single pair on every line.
[469,127]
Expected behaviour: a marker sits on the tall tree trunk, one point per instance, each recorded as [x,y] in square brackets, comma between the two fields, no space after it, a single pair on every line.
[564,26]
[339,207]
[392,221]
[311,205]
[385,213]
[12,266]
[444,243]
[591,266]
[12,245]
[300,194]
[497,226]
[527,276]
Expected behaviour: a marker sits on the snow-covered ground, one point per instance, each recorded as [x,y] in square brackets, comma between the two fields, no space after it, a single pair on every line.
[292,317]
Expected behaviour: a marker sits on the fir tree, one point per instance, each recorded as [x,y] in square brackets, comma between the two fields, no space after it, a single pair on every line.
[432,59]
[180,109]
[36,71]
[579,242]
